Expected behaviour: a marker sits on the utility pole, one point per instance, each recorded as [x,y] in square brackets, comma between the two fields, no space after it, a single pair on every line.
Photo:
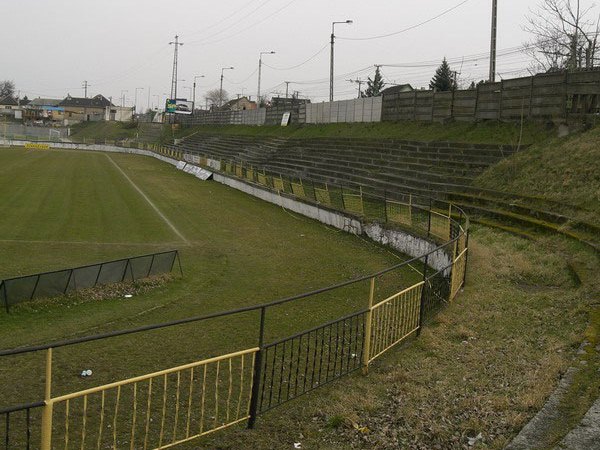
[331,61]
[492,76]
[259,73]
[360,83]
[135,101]
[123,97]
[287,85]
[85,88]
[176,43]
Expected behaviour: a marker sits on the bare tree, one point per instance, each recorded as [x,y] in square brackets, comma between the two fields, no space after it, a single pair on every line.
[564,35]
[7,88]
[214,99]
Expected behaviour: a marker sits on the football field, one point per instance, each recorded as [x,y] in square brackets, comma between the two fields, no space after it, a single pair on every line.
[61,209]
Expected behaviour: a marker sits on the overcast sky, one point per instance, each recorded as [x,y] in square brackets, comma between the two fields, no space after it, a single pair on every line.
[117,45]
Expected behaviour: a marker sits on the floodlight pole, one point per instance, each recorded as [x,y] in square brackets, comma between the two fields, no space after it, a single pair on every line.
[333,24]
[259,73]
[135,101]
[176,43]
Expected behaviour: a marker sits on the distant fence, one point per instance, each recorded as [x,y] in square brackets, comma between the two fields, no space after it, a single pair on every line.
[552,96]
[61,282]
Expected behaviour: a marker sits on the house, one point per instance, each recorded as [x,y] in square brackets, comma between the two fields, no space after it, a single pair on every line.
[398,88]
[79,109]
[11,106]
[239,104]
[119,113]
[46,109]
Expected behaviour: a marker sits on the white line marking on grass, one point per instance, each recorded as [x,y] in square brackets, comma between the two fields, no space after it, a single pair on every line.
[154,207]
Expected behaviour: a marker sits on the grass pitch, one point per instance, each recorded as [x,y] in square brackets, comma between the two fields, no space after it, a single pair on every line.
[62,209]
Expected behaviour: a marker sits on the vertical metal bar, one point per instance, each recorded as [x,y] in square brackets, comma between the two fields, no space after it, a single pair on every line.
[134,418]
[429,219]
[67,424]
[328,353]
[177,404]
[272,374]
[148,407]
[312,375]
[98,276]
[289,380]
[298,365]
[5,295]
[367,329]
[202,400]
[306,362]
[83,422]
[151,265]
[37,281]
[423,294]
[68,282]
[257,371]
[343,345]
[281,372]
[28,418]
[228,404]
[101,425]
[337,345]
[7,430]
[164,410]
[115,418]
[125,271]
[321,355]
[46,443]
[179,262]
[217,394]
[237,414]
[466,258]
[189,413]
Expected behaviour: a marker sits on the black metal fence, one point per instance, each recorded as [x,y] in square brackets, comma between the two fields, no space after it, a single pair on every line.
[17,430]
[61,282]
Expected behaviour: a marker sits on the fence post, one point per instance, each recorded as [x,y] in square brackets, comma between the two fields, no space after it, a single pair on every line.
[429,219]
[343,202]
[257,372]
[3,286]
[466,257]
[385,212]
[46,443]
[178,262]
[368,326]
[423,294]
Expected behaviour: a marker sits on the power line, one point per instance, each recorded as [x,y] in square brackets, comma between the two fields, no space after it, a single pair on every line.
[447,11]
[302,63]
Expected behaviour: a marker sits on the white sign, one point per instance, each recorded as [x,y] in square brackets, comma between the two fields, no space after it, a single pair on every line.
[285,119]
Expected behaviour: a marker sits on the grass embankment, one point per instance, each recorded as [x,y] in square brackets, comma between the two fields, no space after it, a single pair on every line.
[566,170]
[104,130]
[485,132]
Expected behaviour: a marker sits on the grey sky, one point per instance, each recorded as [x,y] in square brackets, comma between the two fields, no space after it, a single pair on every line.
[123,44]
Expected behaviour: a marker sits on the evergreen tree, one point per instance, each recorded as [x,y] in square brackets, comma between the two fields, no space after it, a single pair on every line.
[443,80]
[375,85]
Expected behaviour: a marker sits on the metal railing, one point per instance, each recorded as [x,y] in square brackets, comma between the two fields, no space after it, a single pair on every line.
[165,408]
[60,282]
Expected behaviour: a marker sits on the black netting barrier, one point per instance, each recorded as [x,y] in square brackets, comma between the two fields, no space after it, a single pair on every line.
[60,282]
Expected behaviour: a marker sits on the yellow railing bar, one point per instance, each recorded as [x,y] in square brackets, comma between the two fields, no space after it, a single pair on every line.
[381,303]
[104,387]
[394,343]
[149,404]
[181,441]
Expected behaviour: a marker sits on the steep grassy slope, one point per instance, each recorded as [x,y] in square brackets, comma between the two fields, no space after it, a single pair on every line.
[566,170]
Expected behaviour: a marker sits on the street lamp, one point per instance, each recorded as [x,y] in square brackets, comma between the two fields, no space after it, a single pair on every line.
[123,97]
[135,102]
[194,96]
[259,72]
[221,88]
[333,24]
